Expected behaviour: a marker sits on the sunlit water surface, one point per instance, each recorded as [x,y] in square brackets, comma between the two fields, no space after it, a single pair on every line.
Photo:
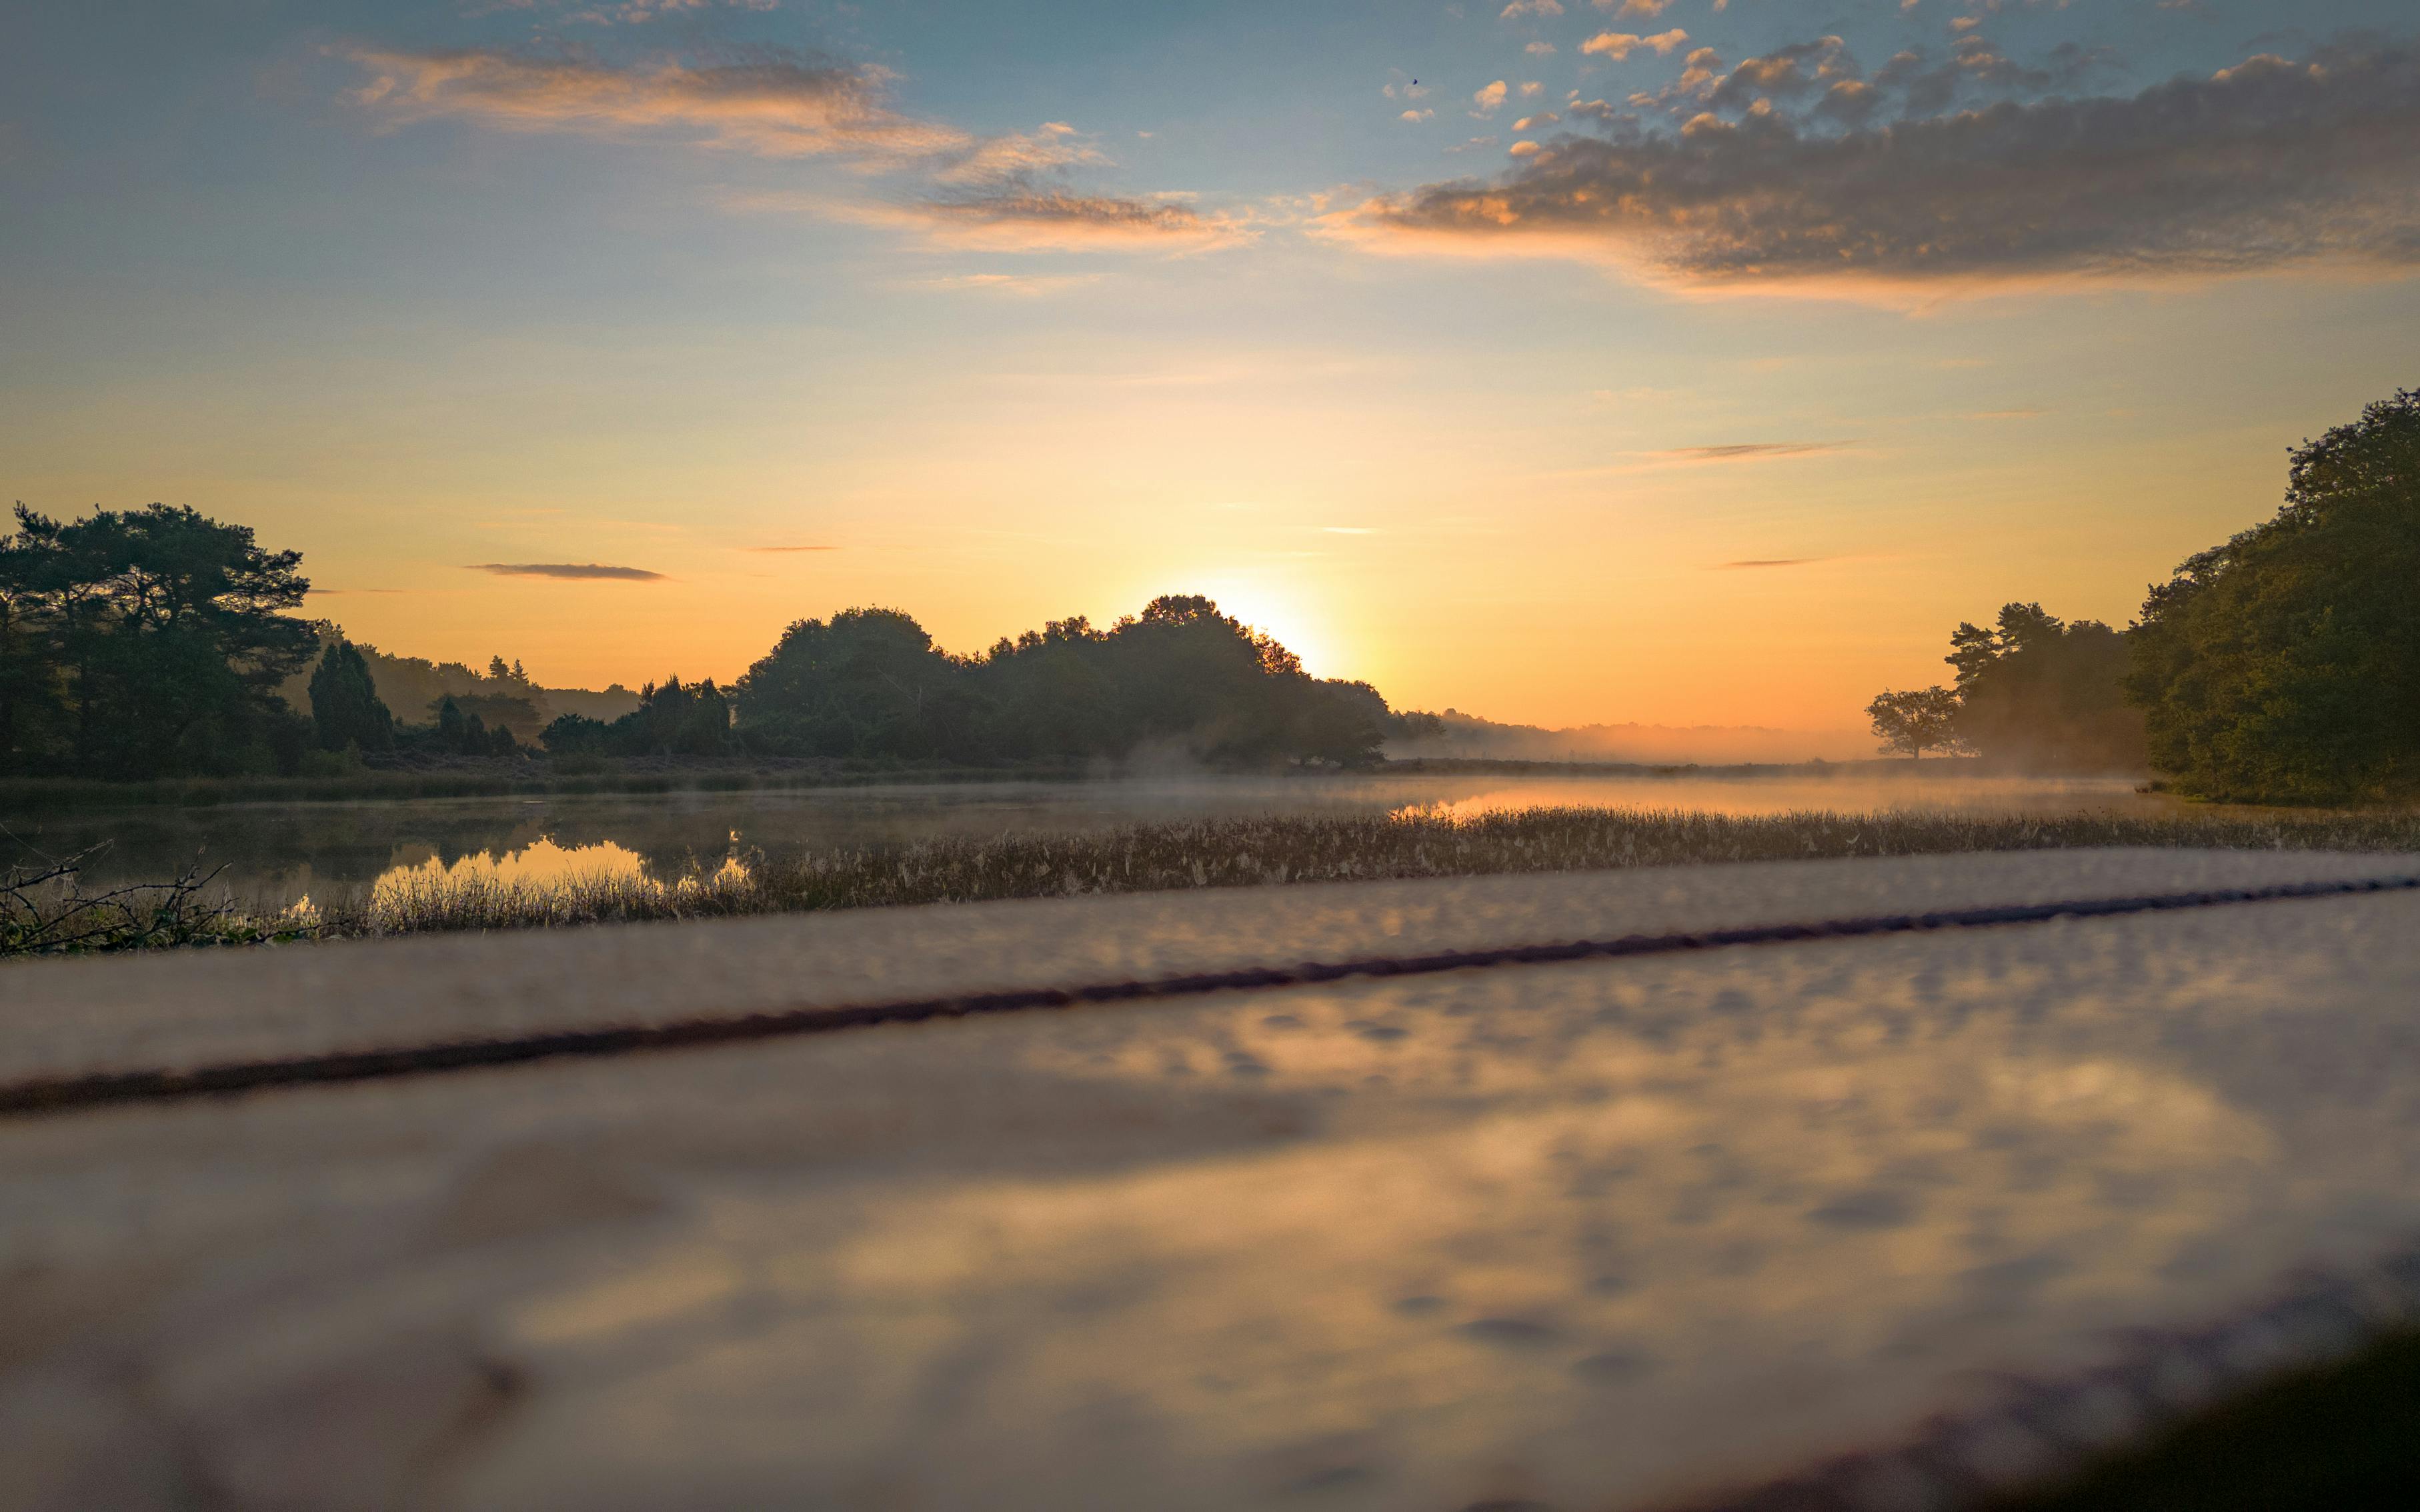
[278,852]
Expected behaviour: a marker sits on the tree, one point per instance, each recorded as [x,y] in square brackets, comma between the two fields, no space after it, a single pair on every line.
[2284,664]
[2034,692]
[673,719]
[1915,721]
[151,642]
[869,683]
[344,706]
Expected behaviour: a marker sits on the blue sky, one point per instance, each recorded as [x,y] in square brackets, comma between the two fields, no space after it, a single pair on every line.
[1017,312]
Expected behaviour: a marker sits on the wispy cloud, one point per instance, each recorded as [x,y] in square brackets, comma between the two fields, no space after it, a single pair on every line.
[778,550]
[1749,451]
[1023,218]
[2265,164]
[1769,562]
[567,569]
[1008,191]
[770,105]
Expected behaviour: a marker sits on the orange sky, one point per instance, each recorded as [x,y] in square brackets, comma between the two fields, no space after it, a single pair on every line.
[423,298]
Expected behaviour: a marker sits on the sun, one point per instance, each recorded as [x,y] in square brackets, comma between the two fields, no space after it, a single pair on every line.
[1293,616]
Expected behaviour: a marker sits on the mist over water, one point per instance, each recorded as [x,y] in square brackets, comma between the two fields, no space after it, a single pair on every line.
[275,852]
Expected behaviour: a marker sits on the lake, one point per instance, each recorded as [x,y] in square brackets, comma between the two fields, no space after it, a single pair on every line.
[279,851]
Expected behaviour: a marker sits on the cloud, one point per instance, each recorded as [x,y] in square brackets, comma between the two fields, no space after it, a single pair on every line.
[1749,451]
[1769,562]
[1650,9]
[777,550]
[566,569]
[1026,218]
[1019,155]
[2265,164]
[1416,116]
[1619,45]
[772,105]
[1489,99]
[1518,8]
[1007,190]
[1539,50]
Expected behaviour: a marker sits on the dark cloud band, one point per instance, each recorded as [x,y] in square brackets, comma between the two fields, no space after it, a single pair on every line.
[567,569]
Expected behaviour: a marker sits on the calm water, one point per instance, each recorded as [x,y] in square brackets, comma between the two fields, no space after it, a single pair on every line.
[325,849]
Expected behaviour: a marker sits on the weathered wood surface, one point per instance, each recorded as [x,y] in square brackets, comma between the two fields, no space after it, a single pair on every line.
[1601,1234]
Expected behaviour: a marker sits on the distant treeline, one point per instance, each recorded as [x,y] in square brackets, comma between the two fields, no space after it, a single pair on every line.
[2283,666]
[504,695]
[1180,677]
[156,642]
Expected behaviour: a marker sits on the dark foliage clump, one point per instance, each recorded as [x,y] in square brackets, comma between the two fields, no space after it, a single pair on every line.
[2285,665]
[346,711]
[1181,677]
[149,642]
[2040,693]
[673,719]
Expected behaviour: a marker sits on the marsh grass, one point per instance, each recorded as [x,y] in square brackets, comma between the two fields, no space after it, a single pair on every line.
[1235,853]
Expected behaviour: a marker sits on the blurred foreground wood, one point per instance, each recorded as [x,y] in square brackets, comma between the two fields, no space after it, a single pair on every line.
[1895,1220]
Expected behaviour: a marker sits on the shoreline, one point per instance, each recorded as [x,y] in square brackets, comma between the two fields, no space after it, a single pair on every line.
[645,776]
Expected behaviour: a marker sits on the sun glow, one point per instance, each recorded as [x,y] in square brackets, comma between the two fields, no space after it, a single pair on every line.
[1285,611]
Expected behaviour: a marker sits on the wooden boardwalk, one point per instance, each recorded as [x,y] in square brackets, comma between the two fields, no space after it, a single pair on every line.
[1884,1213]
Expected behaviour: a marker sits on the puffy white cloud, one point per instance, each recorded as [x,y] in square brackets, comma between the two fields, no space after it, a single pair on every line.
[1487,100]
[1619,45]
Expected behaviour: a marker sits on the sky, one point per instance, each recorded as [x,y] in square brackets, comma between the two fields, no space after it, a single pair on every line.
[1678,361]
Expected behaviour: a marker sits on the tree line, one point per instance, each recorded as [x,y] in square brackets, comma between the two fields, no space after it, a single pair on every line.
[1180,676]
[156,642]
[2280,666]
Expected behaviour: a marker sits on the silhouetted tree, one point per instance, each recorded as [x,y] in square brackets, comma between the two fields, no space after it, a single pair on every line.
[673,719]
[2038,692]
[1181,674]
[344,706]
[2284,664]
[148,641]
[1915,721]
[869,683]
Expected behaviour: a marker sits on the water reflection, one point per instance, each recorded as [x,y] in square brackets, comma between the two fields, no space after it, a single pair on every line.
[278,852]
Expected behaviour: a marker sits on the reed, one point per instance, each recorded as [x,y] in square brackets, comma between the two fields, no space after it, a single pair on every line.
[1236,852]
